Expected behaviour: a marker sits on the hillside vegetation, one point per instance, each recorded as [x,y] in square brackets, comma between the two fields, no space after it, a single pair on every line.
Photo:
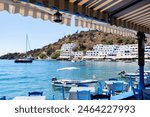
[85,40]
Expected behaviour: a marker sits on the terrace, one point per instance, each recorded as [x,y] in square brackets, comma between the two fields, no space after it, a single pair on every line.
[127,18]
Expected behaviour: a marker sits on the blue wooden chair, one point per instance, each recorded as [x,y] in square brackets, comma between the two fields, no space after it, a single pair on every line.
[113,79]
[148,79]
[117,88]
[35,93]
[53,97]
[100,88]
[63,92]
[83,95]
[3,98]
[147,83]
[130,84]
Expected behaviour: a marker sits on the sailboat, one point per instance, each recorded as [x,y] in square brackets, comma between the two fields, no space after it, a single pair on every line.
[27,59]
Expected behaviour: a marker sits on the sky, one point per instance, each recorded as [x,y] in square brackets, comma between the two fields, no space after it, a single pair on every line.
[14,27]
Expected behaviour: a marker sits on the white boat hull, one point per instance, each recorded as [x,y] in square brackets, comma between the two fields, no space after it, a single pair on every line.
[71,83]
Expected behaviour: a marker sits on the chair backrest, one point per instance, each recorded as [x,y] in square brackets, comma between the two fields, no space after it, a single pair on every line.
[3,98]
[117,87]
[100,87]
[100,97]
[113,79]
[53,97]
[83,95]
[35,93]
[148,79]
[130,84]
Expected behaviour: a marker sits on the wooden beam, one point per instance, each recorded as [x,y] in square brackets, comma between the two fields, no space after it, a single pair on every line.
[135,14]
[143,21]
[80,9]
[132,12]
[140,25]
[71,7]
[93,3]
[113,4]
[103,4]
[72,1]
[124,7]
[62,4]
[139,16]
[56,3]
[82,2]
[51,3]
[140,19]
[145,25]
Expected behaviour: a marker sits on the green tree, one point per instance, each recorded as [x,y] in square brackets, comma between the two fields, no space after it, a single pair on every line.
[55,54]
[49,51]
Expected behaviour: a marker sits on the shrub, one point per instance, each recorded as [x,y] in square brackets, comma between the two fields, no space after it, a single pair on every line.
[55,54]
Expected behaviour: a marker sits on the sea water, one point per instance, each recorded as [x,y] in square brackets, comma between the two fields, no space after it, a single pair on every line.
[17,79]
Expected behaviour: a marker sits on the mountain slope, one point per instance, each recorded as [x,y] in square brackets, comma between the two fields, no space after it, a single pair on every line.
[85,41]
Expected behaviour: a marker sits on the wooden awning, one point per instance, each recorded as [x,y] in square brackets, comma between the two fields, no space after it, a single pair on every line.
[129,14]
[35,11]
[132,14]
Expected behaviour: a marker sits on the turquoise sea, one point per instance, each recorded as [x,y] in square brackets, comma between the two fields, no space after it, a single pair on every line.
[17,79]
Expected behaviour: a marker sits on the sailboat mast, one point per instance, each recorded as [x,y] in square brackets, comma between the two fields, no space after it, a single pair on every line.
[26,43]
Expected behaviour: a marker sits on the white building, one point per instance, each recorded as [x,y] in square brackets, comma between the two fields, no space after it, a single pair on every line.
[127,51]
[101,51]
[78,54]
[68,47]
[67,51]
[116,51]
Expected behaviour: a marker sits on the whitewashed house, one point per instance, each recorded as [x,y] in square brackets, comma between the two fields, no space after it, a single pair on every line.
[67,51]
[101,51]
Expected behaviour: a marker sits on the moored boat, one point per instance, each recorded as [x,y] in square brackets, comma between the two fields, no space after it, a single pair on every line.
[70,83]
[132,75]
[25,60]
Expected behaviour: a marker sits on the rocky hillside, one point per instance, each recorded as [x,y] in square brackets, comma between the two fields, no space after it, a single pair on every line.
[84,40]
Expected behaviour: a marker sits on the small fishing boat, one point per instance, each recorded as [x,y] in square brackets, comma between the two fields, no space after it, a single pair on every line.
[124,74]
[70,83]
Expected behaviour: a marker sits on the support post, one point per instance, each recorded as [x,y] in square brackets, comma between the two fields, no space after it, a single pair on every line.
[141,62]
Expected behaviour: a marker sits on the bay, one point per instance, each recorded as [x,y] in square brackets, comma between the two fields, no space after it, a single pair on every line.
[17,79]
